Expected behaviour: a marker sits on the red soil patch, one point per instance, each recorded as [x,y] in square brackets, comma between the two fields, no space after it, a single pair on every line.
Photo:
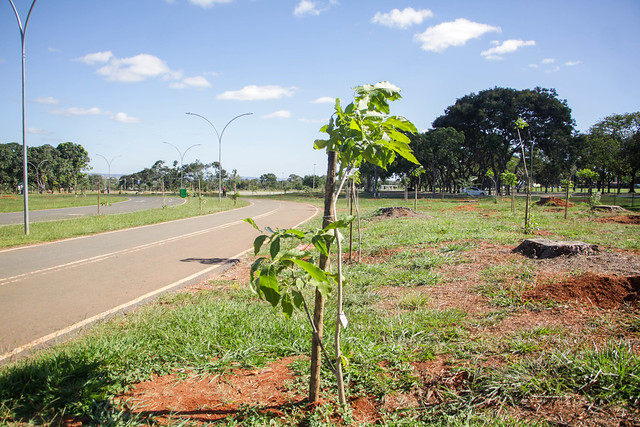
[603,291]
[552,201]
[621,219]
[210,398]
[469,207]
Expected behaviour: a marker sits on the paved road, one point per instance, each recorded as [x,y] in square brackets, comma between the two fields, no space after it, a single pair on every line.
[48,291]
[135,203]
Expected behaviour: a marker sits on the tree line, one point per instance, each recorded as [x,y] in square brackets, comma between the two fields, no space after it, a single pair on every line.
[474,142]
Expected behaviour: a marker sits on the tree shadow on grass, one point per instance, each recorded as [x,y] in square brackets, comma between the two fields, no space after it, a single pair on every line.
[41,390]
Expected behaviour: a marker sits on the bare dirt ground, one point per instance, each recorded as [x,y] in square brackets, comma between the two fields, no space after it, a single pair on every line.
[583,289]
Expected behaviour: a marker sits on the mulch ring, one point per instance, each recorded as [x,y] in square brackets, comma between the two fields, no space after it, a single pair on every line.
[600,290]
[621,219]
[553,201]
[398,212]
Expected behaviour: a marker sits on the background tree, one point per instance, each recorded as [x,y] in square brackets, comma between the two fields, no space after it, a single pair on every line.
[10,166]
[73,160]
[487,118]
[613,148]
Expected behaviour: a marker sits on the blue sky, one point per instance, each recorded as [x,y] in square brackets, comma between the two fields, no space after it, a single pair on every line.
[117,76]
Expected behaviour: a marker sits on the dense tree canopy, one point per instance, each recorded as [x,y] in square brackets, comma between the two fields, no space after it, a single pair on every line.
[49,168]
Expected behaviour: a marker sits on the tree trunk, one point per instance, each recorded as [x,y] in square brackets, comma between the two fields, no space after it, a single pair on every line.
[318,310]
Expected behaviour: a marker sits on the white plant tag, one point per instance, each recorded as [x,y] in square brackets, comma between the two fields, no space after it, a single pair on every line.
[343,320]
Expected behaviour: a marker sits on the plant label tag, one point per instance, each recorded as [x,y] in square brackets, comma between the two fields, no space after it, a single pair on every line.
[343,320]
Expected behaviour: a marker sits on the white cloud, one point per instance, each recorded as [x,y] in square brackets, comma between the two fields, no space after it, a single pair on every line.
[258,93]
[401,18]
[49,100]
[306,7]
[97,57]
[197,81]
[548,60]
[53,49]
[454,33]
[209,3]
[124,118]
[137,68]
[36,131]
[75,111]
[507,46]
[2,60]
[324,100]
[280,114]
[572,63]
[133,69]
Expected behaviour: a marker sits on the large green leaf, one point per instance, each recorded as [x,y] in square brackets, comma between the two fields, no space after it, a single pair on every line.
[274,248]
[298,299]
[258,242]
[314,271]
[252,222]
[287,305]
[320,244]
[269,285]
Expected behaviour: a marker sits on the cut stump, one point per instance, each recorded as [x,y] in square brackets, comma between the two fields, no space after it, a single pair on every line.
[608,208]
[544,248]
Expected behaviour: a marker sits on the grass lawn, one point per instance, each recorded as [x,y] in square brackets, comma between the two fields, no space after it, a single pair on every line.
[15,203]
[446,327]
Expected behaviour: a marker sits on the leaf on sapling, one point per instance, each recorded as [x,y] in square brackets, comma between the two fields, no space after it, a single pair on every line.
[269,285]
[255,266]
[313,270]
[323,287]
[287,305]
[319,144]
[258,242]
[320,244]
[341,223]
[253,223]
[294,232]
[401,123]
[298,299]
[274,248]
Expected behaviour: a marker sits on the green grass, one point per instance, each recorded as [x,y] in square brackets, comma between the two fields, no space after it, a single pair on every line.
[15,203]
[211,332]
[13,235]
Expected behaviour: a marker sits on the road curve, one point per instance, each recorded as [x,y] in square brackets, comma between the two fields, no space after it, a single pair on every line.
[51,290]
[133,204]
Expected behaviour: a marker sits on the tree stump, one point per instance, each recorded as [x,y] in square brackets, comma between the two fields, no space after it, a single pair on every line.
[608,208]
[544,248]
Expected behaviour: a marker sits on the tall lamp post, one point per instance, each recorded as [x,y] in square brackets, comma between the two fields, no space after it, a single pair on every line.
[181,154]
[220,147]
[109,168]
[25,181]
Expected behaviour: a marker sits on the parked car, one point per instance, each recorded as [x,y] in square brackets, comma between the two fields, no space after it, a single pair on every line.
[473,191]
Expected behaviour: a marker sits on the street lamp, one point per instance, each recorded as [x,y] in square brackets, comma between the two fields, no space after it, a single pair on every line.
[109,167]
[181,154]
[219,147]
[25,183]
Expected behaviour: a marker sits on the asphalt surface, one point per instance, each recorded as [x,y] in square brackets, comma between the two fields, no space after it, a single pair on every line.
[52,290]
[135,203]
